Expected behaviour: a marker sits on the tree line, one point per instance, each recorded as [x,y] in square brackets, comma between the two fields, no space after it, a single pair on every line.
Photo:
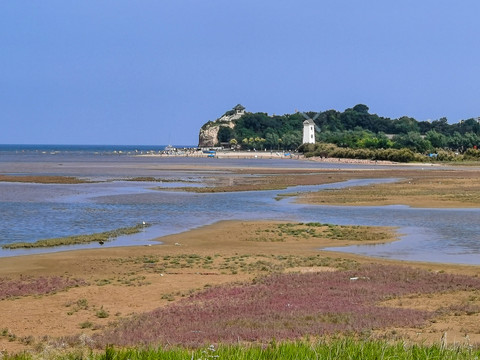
[354,128]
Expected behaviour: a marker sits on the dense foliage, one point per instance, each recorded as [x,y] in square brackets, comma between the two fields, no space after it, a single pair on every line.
[354,128]
[261,131]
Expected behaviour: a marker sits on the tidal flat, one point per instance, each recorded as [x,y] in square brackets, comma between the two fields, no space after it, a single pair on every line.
[104,292]
[421,189]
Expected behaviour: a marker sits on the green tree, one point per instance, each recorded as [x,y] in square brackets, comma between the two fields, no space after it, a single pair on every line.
[441,126]
[225,134]
[405,125]
[468,126]
[412,141]
[360,108]
[383,141]
[470,140]
[455,142]
[292,140]
[329,121]
[438,140]
[272,140]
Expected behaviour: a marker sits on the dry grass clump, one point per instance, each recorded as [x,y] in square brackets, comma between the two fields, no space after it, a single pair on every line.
[27,285]
[289,306]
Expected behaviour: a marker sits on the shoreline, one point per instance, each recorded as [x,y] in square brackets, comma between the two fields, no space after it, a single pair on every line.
[285,155]
[177,240]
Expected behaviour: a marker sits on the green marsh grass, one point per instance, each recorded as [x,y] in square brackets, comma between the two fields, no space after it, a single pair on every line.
[339,349]
[79,239]
[324,231]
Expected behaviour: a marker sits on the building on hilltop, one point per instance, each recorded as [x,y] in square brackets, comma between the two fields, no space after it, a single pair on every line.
[239,109]
[309,132]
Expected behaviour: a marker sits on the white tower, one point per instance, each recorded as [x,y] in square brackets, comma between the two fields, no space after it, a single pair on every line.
[308,132]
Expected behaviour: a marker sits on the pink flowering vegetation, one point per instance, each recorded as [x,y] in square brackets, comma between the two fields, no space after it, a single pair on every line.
[27,285]
[289,306]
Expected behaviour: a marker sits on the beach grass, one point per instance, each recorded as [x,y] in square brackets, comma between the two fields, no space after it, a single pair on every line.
[338,349]
[78,239]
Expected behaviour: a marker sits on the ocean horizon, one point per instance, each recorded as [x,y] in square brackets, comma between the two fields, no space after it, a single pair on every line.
[53,149]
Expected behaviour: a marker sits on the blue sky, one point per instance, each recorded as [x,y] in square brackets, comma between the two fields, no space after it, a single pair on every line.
[153,72]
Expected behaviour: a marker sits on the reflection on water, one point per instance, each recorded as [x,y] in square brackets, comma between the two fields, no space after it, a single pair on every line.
[34,211]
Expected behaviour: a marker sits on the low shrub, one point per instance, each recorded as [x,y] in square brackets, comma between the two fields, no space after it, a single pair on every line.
[395,155]
[36,286]
[471,154]
[289,306]
[102,313]
[86,325]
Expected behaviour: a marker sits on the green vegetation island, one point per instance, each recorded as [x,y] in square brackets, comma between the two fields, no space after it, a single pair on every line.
[353,133]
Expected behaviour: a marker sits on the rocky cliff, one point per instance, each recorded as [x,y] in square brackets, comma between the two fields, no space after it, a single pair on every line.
[208,136]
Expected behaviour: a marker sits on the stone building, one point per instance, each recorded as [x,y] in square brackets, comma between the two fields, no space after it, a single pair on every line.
[239,109]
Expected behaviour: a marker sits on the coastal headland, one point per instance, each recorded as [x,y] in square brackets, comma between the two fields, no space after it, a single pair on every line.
[76,298]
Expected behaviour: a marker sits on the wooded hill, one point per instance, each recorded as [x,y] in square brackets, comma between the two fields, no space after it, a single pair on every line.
[354,128]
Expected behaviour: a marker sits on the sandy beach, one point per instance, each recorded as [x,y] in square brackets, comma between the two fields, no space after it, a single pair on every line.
[269,154]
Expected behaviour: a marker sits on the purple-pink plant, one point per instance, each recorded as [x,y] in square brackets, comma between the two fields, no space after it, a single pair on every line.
[289,306]
[36,285]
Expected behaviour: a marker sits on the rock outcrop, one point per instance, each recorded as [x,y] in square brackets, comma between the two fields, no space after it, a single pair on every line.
[208,136]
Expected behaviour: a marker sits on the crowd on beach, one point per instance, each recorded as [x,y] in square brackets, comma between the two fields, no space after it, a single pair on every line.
[219,154]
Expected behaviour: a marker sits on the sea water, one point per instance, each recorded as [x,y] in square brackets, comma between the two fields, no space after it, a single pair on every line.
[29,212]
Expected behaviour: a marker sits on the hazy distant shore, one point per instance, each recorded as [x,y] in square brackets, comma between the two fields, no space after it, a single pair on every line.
[269,155]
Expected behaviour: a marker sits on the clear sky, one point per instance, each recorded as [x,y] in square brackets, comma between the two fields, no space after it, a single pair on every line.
[152,72]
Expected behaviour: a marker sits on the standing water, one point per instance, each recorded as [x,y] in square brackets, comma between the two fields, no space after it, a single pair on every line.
[30,212]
